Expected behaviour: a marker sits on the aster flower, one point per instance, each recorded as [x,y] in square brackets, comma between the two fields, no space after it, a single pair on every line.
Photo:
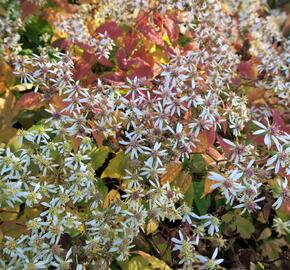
[209,264]
[282,194]
[186,248]
[155,154]
[281,158]
[212,223]
[187,214]
[271,133]
[134,146]
[249,204]
[281,227]
[229,185]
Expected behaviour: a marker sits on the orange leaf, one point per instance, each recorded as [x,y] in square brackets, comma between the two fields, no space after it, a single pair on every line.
[207,186]
[75,143]
[172,171]
[29,101]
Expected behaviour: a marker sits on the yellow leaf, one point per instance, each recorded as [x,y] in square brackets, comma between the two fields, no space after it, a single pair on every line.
[7,77]
[1,236]
[144,261]
[21,87]
[172,171]
[112,196]
[117,166]
[7,112]
[13,228]
[7,214]
[165,37]
[7,134]
[152,226]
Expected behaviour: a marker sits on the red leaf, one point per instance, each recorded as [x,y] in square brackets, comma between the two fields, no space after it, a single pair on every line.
[210,136]
[144,55]
[226,147]
[121,58]
[112,29]
[82,70]
[141,72]
[104,61]
[248,69]
[114,77]
[28,8]
[148,30]
[171,27]
[278,120]
[137,62]
[29,101]
[131,42]
[158,19]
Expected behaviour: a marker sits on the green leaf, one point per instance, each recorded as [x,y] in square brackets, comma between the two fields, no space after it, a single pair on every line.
[117,166]
[99,155]
[189,195]
[260,266]
[34,29]
[244,227]
[202,203]
[102,187]
[228,217]
[183,40]
[197,164]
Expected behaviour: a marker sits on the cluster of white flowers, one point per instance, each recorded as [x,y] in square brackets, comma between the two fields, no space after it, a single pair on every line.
[154,123]
[75,30]
[9,37]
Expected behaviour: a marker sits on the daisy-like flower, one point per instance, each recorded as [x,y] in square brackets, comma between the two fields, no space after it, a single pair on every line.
[76,160]
[33,197]
[155,154]
[250,205]
[210,264]
[186,248]
[198,232]
[151,170]
[133,146]
[187,214]
[271,133]
[238,151]
[282,194]
[281,227]
[61,263]
[229,185]
[212,223]
[281,158]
